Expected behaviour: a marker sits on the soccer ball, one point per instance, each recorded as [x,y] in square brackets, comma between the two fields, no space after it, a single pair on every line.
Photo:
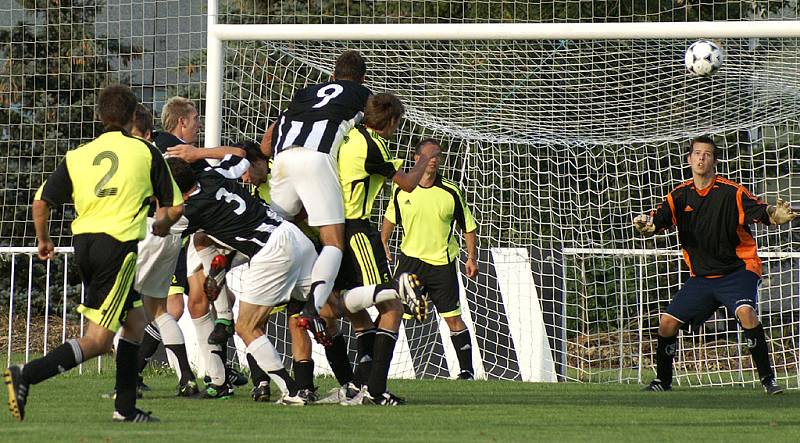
[703,58]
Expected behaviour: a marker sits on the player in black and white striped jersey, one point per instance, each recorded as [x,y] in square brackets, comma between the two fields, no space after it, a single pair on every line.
[304,143]
[280,256]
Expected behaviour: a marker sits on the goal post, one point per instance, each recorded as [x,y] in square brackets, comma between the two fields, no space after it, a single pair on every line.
[559,133]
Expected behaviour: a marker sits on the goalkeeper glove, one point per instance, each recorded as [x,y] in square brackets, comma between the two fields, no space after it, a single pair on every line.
[644,224]
[781,213]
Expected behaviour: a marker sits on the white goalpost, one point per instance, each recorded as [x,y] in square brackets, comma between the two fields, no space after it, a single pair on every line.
[559,133]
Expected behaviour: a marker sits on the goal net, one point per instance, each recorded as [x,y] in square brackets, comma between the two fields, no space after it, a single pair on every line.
[557,144]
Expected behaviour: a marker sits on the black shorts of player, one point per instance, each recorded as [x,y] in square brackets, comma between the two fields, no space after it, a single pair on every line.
[700,297]
[364,260]
[108,269]
[440,281]
[180,283]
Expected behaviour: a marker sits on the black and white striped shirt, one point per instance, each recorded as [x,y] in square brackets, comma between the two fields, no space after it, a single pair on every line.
[226,211]
[319,116]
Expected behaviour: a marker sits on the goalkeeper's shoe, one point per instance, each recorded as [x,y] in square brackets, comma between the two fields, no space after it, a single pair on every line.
[17,391]
[315,326]
[223,330]
[261,392]
[188,389]
[466,375]
[216,277]
[138,416]
[340,394]
[657,386]
[222,391]
[412,295]
[771,385]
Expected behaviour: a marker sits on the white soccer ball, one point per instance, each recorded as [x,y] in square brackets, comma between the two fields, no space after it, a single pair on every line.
[703,58]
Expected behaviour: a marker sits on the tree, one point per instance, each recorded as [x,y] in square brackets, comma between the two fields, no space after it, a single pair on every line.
[52,64]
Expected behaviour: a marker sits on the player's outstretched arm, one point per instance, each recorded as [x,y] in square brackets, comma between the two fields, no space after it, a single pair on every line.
[41,216]
[192,154]
[781,213]
[644,224]
[165,218]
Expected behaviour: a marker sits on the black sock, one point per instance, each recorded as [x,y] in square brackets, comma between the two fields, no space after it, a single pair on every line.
[127,353]
[60,359]
[665,353]
[757,343]
[149,345]
[381,360]
[339,360]
[179,351]
[463,345]
[304,373]
[365,342]
[257,375]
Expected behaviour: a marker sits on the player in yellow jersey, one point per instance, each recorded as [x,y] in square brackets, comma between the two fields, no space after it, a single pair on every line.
[430,247]
[110,180]
[365,163]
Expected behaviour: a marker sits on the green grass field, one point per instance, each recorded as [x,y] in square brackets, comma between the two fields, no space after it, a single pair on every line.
[70,408]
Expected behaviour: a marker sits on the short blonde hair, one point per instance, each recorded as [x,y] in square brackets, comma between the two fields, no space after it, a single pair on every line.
[175,108]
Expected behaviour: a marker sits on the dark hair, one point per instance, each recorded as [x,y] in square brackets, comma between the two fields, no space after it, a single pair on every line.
[143,119]
[115,106]
[424,142]
[182,173]
[703,139]
[350,66]
[381,109]
[252,151]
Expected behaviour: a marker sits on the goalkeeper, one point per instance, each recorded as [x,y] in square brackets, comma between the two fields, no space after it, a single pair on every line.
[712,214]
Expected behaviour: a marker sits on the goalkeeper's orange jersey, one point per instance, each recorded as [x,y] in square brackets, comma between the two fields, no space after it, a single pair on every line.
[713,226]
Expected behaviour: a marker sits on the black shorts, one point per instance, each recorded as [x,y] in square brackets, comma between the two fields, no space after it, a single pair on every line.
[108,269]
[441,283]
[700,297]
[180,283]
[364,260]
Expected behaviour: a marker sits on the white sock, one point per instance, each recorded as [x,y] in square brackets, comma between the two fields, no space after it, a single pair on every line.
[363,297]
[268,359]
[325,270]
[171,334]
[222,305]
[215,367]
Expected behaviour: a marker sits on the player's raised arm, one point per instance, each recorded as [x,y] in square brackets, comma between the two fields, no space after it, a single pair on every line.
[266,140]
[192,154]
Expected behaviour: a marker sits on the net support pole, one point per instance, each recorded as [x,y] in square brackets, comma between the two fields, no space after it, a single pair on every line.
[214,86]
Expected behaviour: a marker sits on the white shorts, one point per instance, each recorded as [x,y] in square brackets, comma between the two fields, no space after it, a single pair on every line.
[155,263]
[281,269]
[305,178]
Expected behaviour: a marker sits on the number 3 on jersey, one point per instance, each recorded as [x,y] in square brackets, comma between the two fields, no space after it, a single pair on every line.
[327,94]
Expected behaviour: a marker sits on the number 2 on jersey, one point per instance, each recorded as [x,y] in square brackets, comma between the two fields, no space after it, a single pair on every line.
[100,190]
[327,93]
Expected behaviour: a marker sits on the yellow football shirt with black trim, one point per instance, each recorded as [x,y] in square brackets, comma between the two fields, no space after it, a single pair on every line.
[364,164]
[111,180]
[428,216]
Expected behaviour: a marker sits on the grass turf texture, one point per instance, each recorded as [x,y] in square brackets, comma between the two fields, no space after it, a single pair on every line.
[70,408]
